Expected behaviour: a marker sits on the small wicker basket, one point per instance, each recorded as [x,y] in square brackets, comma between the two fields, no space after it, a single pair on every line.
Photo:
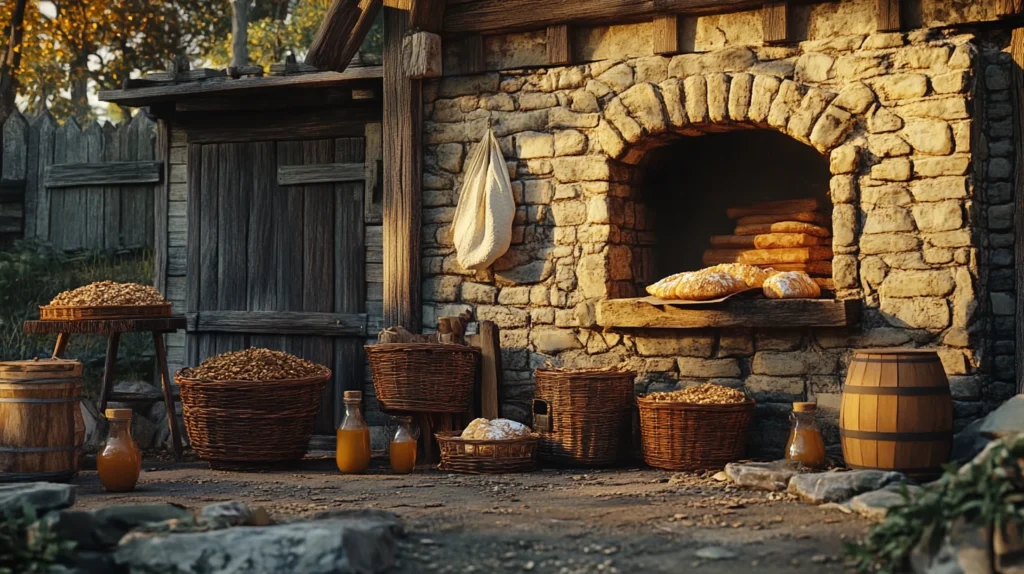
[686,436]
[232,422]
[486,456]
[423,377]
[72,313]
[584,417]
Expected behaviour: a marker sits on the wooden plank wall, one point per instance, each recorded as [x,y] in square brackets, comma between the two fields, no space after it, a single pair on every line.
[101,214]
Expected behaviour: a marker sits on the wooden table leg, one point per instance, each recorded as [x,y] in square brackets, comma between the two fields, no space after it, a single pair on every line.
[108,370]
[62,343]
[165,382]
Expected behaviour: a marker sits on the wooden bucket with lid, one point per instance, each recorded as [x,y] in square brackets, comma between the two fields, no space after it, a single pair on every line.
[897,412]
[42,432]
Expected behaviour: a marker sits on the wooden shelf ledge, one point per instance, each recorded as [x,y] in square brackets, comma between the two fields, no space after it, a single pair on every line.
[782,313]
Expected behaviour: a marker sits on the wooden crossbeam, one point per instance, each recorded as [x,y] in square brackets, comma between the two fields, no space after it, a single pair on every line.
[111,173]
[775,18]
[666,34]
[888,15]
[320,173]
[559,48]
[278,323]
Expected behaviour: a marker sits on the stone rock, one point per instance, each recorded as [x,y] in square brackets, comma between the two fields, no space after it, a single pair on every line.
[896,169]
[857,67]
[763,475]
[551,341]
[928,136]
[814,67]
[698,367]
[529,101]
[969,442]
[822,487]
[930,283]
[227,514]
[355,544]
[884,121]
[888,145]
[918,313]
[644,104]
[939,188]
[952,108]
[844,159]
[533,272]
[479,293]
[530,145]
[901,86]
[504,317]
[103,528]
[695,344]
[570,142]
[42,496]
[939,166]
[874,505]
[833,125]
[619,77]
[1005,420]
[888,220]
[715,553]
[695,92]
[941,216]
[856,98]
[449,157]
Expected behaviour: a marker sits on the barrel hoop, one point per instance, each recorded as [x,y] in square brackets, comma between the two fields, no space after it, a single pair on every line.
[39,449]
[896,436]
[901,360]
[43,401]
[905,470]
[900,391]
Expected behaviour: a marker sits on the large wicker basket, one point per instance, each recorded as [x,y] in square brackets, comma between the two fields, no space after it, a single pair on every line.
[686,436]
[584,417]
[423,377]
[246,422]
[486,456]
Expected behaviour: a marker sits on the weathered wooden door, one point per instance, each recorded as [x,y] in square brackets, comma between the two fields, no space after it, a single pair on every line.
[276,254]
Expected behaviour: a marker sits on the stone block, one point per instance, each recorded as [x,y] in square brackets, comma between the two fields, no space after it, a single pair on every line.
[830,129]
[814,67]
[900,86]
[939,188]
[695,92]
[882,120]
[675,105]
[840,486]
[918,313]
[859,67]
[718,97]
[672,343]
[804,118]
[785,104]
[708,368]
[888,220]
[951,83]
[940,166]
[775,389]
[855,98]
[843,160]
[570,142]
[610,140]
[763,93]
[531,145]
[529,101]
[762,475]
[444,288]
[949,108]
[740,94]
[1002,304]
[551,341]
[1000,217]
[896,169]
[644,104]
[888,243]
[930,283]
[922,57]
[929,136]
[618,78]
[504,317]
[941,216]
[453,86]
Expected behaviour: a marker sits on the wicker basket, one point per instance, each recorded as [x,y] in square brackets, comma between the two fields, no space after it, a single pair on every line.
[486,456]
[66,313]
[423,377]
[685,436]
[584,417]
[250,422]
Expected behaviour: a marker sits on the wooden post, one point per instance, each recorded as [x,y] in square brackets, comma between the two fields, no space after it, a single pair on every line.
[339,37]
[1007,8]
[1017,53]
[239,33]
[775,17]
[11,58]
[402,128]
[471,54]
[666,34]
[559,48]
[889,17]
[422,55]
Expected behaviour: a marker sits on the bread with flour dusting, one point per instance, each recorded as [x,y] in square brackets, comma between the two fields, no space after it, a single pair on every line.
[791,285]
[700,285]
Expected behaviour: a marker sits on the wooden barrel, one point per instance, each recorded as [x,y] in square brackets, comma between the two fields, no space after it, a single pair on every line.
[42,429]
[897,412]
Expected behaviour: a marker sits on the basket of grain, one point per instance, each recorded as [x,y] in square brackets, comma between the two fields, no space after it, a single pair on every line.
[698,428]
[106,300]
[249,407]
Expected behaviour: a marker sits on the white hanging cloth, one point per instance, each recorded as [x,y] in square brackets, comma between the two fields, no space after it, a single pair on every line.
[482,230]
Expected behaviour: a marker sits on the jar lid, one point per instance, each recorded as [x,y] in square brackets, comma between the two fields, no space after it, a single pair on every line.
[119,414]
[805,407]
[353,395]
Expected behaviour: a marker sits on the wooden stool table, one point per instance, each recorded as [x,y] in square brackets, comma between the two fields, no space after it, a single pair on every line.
[113,328]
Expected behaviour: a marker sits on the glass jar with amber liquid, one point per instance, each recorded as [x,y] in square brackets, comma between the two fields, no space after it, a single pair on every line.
[402,450]
[120,461]
[353,450]
[805,443]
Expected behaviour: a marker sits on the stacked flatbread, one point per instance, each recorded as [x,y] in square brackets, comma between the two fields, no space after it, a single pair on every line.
[789,235]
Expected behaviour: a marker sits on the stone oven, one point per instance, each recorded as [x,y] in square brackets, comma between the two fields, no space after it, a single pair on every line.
[622,166]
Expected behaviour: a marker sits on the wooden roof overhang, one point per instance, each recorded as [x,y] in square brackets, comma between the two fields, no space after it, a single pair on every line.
[188,94]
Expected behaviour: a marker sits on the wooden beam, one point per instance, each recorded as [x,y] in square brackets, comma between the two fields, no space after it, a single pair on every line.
[284,125]
[320,173]
[471,54]
[427,15]
[421,54]
[161,198]
[112,173]
[1008,8]
[666,34]
[493,16]
[403,106]
[559,48]
[373,198]
[241,86]
[398,4]
[775,18]
[278,323]
[760,313]
[341,34]
[1017,53]
[889,18]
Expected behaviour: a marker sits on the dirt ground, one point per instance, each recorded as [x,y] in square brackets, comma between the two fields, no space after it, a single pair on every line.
[551,521]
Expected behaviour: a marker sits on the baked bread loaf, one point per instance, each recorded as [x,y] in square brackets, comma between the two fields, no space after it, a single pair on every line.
[702,285]
[767,256]
[783,227]
[498,429]
[791,285]
[752,276]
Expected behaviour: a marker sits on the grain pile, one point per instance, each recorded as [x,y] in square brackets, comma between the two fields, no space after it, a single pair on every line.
[254,365]
[105,293]
[706,394]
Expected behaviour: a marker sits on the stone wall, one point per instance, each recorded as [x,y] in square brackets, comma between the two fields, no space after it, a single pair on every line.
[919,146]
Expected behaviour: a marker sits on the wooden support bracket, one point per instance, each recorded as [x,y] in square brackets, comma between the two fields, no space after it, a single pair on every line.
[666,34]
[559,48]
[889,16]
[421,52]
[471,54]
[775,18]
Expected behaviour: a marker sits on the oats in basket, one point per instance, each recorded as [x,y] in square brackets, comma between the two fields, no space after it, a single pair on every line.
[104,293]
[706,394]
[254,365]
